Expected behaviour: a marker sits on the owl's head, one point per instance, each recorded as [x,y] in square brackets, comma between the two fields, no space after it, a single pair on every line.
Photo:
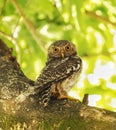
[61,49]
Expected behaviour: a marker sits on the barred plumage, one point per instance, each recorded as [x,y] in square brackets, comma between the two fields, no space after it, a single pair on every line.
[62,69]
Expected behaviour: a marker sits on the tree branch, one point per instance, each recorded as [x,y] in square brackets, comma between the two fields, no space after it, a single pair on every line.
[94,15]
[30,26]
[21,109]
[13,40]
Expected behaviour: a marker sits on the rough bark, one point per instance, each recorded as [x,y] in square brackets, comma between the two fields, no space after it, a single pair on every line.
[20,109]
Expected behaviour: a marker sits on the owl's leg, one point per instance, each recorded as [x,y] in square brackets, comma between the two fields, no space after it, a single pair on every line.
[54,90]
[67,97]
[63,94]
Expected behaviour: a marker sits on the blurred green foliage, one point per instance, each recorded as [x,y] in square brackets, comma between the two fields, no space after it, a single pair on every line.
[90,24]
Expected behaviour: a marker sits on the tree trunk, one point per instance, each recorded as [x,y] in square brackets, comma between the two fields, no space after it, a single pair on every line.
[20,108]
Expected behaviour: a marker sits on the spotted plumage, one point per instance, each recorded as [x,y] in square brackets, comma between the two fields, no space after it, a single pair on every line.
[61,71]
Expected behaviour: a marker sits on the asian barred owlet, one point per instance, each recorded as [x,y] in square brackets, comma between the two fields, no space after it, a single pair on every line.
[60,73]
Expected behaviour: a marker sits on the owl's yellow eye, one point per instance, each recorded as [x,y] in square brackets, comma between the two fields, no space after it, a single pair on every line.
[56,49]
[67,48]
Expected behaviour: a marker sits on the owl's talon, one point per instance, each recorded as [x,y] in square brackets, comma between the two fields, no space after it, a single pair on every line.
[67,97]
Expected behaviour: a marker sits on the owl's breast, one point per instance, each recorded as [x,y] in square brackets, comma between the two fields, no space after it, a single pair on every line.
[72,72]
[62,87]
[69,82]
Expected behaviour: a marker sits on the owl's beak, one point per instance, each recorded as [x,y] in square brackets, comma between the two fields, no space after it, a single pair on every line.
[62,54]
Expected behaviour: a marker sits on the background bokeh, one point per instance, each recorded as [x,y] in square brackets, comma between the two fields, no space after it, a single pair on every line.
[30,26]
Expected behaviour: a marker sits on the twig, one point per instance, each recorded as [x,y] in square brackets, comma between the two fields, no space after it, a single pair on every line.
[99,54]
[7,36]
[30,26]
[92,14]
[85,99]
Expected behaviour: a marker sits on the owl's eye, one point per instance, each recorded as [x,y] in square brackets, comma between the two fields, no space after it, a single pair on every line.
[55,49]
[67,48]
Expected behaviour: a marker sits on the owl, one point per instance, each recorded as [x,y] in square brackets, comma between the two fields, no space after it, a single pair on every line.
[60,73]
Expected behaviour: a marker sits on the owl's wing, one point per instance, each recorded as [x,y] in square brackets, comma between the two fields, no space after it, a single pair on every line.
[56,70]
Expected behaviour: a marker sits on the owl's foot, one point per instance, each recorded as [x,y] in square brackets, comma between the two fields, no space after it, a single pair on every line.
[67,97]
